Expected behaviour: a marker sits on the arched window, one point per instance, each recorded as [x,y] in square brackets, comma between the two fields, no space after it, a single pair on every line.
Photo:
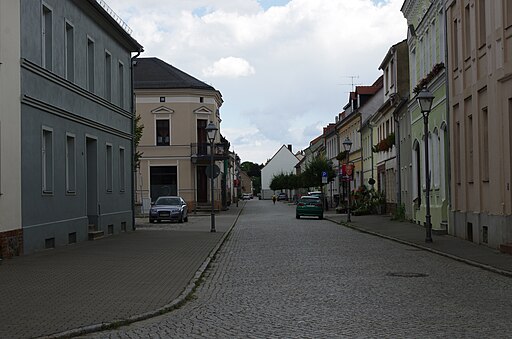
[435,170]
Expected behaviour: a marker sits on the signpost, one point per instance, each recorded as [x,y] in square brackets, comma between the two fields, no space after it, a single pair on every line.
[324,177]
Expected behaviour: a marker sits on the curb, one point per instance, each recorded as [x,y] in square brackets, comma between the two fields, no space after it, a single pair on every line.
[176,303]
[444,254]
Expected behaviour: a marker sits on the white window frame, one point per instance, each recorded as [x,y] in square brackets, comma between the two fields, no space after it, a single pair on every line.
[120,82]
[70,164]
[90,64]
[47,160]
[69,31]
[122,169]
[108,75]
[109,168]
[46,37]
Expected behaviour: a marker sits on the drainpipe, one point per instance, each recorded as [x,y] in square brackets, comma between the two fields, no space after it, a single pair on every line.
[132,109]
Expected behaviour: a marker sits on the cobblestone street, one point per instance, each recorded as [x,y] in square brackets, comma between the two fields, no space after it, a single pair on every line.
[278,277]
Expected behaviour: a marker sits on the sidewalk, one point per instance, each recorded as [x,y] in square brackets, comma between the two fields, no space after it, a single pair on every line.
[122,278]
[414,235]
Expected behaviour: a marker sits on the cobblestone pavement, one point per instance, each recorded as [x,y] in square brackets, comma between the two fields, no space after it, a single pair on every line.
[278,277]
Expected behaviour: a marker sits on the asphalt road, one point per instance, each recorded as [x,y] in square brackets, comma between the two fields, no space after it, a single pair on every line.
[278,277]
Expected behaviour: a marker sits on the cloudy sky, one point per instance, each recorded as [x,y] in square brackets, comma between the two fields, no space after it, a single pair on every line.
[284,67]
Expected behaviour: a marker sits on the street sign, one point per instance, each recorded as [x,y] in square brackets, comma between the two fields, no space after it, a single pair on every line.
[216,171]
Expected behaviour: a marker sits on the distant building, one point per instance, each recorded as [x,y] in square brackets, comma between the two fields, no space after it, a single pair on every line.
[283,161]
[65,124]
[175,109]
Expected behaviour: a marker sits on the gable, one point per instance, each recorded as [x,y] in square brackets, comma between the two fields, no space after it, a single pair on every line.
[203,110]
[162,110]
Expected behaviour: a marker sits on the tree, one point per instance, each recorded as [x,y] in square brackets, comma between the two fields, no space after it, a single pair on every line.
[139,127]
[312,176]
[252,169]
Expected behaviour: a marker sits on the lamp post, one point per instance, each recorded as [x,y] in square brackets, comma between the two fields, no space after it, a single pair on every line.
[425,99]
[211,129]
[347,145]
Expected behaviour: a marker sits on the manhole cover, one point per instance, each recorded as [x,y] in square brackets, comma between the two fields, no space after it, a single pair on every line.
[407,274]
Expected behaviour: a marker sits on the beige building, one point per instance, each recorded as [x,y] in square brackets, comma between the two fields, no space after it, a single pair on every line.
[10,126]
[480,82]
[175,109]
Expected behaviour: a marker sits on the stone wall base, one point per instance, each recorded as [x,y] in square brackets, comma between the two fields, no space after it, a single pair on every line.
[11,243]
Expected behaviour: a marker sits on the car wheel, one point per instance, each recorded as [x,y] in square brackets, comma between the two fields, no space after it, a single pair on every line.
[180,220]
[321,216]
[186,219]
[151,221]
[297,216]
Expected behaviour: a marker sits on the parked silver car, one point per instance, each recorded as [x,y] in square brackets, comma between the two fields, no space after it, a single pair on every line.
[170,208]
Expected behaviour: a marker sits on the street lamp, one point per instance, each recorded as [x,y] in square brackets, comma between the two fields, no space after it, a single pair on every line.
[425,99]
[211,129]
[347,145]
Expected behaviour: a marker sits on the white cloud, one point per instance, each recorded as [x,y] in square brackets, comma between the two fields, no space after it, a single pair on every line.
[229,67]
[283,71]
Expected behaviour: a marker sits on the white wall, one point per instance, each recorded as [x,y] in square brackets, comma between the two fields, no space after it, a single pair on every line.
[282,162]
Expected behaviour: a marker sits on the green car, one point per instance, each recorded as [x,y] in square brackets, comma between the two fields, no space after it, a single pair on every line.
[310,206]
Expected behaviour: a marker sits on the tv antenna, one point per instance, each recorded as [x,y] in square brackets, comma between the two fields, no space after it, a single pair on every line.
[352,82]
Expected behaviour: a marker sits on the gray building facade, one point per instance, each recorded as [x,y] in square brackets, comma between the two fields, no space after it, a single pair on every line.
[76,123]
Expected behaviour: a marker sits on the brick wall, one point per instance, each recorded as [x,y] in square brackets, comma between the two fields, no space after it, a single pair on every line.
[11,243]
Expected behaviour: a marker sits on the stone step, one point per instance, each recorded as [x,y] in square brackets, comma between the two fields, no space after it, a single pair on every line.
[506,248]
[95,235]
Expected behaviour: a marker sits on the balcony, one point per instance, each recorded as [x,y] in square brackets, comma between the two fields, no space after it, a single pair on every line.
[200,152]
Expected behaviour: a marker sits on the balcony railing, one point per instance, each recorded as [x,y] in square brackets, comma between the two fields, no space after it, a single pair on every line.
[201,151]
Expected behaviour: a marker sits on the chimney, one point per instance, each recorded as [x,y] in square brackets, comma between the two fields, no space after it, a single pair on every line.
[290,147]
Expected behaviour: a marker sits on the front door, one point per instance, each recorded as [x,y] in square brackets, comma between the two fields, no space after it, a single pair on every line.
[202,185]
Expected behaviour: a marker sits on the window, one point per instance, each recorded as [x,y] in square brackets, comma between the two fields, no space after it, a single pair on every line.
[413,62]
[485,144]
[441,36]
[47,46]
[392,71]
[70,52]
[70,164]
[47,161]
[90,65]
[455,44]
[469,143]
[433,44]
[120,84]
[162,133]
[467,32]
[427,50]
[108,76]
[457,147]
[121,170]
[108,168]
[508,13]
[482,33]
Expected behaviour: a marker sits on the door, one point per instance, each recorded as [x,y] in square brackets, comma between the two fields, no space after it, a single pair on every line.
[202,185]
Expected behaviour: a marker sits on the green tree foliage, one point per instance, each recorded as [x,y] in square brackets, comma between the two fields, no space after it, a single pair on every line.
[312,176]
[139,128]
[252,169]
